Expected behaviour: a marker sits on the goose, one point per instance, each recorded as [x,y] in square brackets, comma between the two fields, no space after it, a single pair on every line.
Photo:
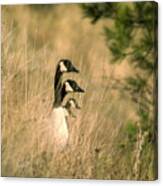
[64,66]
[56,131]
[71,104]
[57,122]
[69,86]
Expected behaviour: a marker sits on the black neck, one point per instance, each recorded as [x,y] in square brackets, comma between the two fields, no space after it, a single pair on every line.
[57,78]
[63,93]
[59,96]
[67,106]
[57,87]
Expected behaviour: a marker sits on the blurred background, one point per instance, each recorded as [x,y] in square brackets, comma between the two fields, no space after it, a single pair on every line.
[115,47]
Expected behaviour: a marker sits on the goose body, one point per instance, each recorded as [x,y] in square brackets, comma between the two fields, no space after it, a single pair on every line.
[56,132]
[59,127]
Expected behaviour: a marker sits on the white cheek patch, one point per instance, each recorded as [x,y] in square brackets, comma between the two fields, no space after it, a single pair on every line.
[68,87]
[72,104]
[62,67]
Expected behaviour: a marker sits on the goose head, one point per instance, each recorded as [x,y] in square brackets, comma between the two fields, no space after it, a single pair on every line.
[70,105]
[65,65]
[72,86]
[69,86]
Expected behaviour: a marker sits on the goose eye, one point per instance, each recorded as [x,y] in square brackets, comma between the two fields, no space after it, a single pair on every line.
[62,67]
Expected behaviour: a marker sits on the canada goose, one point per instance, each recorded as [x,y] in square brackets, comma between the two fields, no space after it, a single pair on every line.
[69,86]
[71,104]
[64,66]
[58,119]
[56,129]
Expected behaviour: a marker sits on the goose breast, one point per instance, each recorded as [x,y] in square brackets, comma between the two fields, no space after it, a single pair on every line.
[59,125]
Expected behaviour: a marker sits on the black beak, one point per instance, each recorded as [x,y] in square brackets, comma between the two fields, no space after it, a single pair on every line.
[80,90]
[74,69]
[78,107]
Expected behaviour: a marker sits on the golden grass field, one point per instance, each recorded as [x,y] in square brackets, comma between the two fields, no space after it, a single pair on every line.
[33,41]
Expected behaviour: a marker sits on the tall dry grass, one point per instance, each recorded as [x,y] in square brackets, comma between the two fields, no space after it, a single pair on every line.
[33,40]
